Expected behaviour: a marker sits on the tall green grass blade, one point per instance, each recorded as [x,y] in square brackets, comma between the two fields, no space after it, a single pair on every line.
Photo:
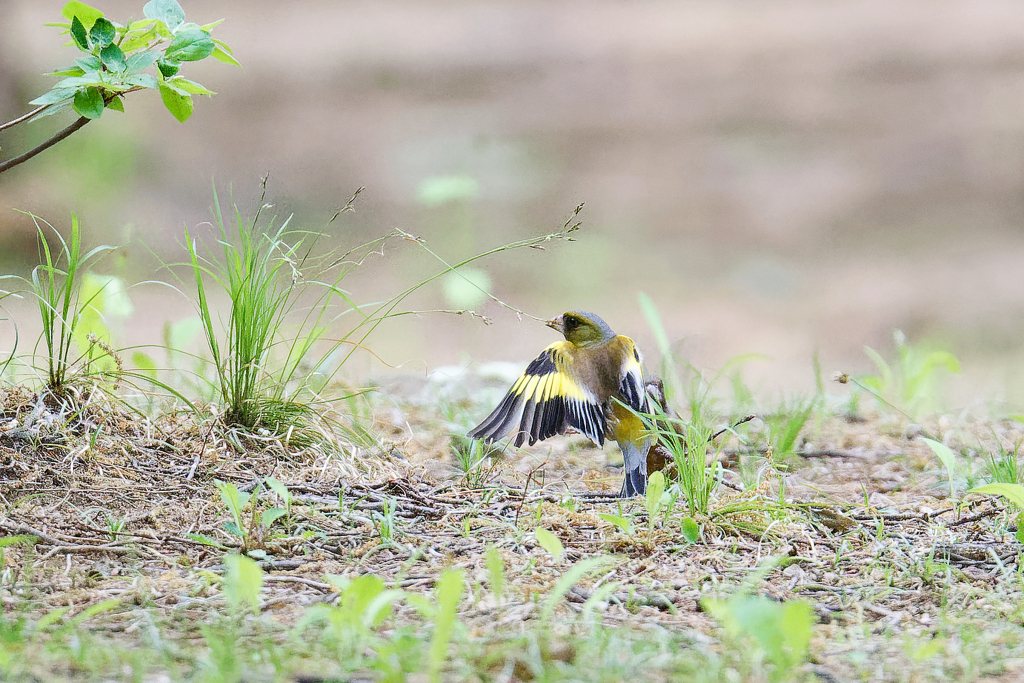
[948,459]
[568,580]
[449,592]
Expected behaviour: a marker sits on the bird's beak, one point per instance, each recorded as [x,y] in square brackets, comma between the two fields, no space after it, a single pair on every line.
[556,324]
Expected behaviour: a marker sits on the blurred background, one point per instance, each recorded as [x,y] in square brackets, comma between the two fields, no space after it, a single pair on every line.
[781,178]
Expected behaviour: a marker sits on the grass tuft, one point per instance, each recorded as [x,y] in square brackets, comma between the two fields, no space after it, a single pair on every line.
[56,284]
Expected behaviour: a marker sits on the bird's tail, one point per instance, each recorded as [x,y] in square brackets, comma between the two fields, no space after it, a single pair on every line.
[634,458]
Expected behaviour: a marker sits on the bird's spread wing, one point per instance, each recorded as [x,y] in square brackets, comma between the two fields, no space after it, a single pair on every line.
[546,400]
[631,378]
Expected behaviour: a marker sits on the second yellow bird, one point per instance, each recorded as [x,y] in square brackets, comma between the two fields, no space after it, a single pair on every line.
[583,383]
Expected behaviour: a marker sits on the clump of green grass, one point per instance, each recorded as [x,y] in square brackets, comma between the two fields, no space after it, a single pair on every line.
[912,383]
[688,443]
[786,424]
[1005,469]
[261,273]
[273,355]
[56,285]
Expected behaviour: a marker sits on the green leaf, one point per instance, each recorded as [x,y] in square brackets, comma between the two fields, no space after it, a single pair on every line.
[89,103]
[173,85]
[142,80]
[1011,492]
[89,78]
[56,108]
[143,361]
[141,60]
[280,489]
[690,530]
[179,335]
[113,58]
[139,34]
[70,71]
[190,44]
[618,521]
[495,571]
[205,540]
[55,95]
[191,87]
[652,499]
[180,106]
[948,460]
[89,63]
[449,591]
[242,583]
[549,542]
[167,11]
[233,499]
[116,104]
[167,67]
[222,56]
[782,630]
[272,515]
[79,34]
[85,15]
[380,607]
[102,33]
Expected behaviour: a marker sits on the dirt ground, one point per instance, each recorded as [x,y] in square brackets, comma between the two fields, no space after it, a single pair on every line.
[860,516]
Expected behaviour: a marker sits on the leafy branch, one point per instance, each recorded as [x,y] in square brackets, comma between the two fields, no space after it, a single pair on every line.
[120,59]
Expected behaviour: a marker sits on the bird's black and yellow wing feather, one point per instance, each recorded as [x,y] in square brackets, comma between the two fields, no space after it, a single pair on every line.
[631,377]
[547,399]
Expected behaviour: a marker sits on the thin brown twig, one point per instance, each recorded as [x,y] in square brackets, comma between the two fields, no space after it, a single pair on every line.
[731,427]
[26,117]
[526,486]
[43,146]
[975,517]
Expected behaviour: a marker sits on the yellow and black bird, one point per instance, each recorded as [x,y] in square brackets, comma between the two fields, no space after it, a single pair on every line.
[585,382]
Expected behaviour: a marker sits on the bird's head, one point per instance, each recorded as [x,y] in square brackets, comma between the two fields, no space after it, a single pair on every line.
[582,329]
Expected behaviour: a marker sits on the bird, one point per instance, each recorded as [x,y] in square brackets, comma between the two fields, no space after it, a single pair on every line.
[592,382]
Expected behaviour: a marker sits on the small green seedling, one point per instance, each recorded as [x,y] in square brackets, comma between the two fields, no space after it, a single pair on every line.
[781,630]
[549,542]
[652,498]
[242,583]
[363,603]
[251,528]
[495,572]
[286,499]
[450,587]
[690,529]
[948,459]
[234,500]
[912,383]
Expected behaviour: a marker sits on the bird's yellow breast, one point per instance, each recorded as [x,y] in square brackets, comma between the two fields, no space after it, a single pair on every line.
[624,425]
